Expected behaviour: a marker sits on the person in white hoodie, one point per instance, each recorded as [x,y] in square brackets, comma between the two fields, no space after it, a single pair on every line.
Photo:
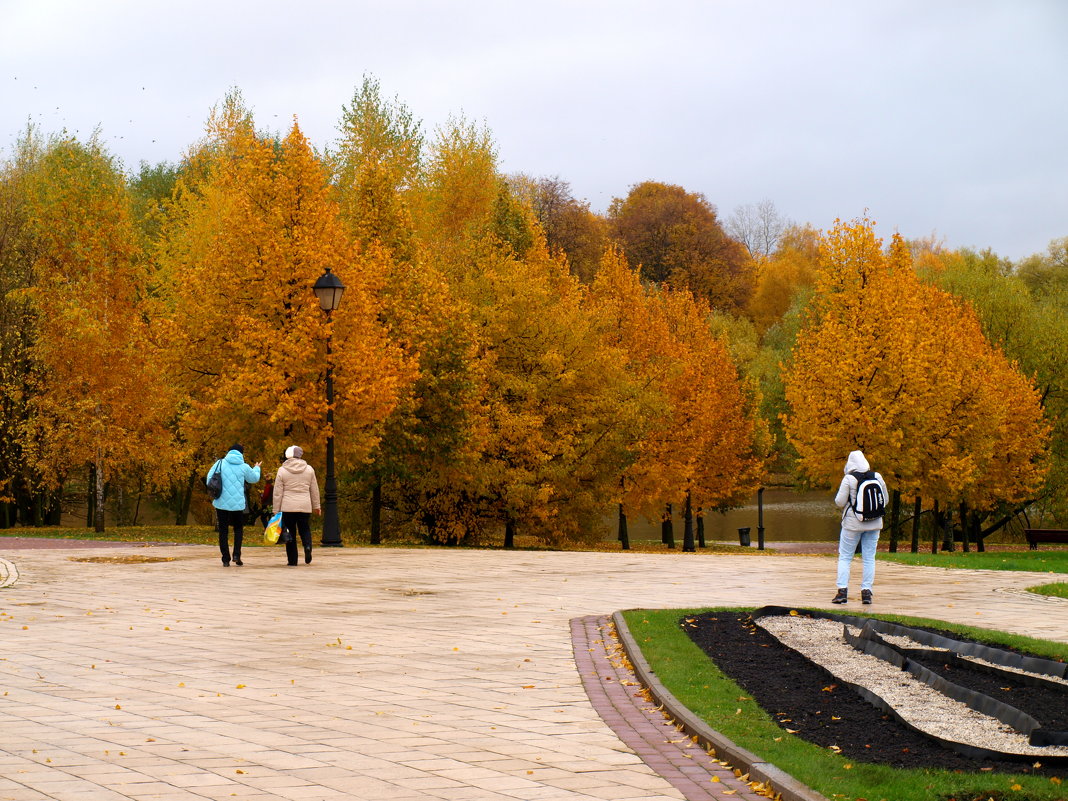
[856,529]
[296,496]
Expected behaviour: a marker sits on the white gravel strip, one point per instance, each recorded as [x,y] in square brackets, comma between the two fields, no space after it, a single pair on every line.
[918,703]
[901,641]
[1045,676]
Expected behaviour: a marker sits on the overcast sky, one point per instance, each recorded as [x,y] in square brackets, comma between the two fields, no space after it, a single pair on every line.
[938,117]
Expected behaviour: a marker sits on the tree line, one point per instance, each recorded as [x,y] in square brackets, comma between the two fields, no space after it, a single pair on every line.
[505,358]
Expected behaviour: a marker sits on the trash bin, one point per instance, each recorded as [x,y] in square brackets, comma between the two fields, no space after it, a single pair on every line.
[743,536]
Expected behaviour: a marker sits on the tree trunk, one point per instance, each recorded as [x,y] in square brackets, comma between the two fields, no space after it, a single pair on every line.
[947,530]
[701,527]
[964,544]
[98,517]
[624,536]
[185,500]
[667,529]
[917,509]
[376,512]
[509,533]
[895,520]
[90,497]
[980,544]
[688,545]
[935,528]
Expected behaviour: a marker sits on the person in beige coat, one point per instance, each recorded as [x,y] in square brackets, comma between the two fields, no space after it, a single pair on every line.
[296,496]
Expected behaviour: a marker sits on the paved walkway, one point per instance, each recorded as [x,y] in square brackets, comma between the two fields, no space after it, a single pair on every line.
[371,673]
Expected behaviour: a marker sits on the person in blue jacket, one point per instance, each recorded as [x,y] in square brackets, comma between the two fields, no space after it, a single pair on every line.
[231,503]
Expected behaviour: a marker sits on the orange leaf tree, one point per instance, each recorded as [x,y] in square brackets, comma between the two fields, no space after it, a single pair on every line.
[251,227]
[702,437]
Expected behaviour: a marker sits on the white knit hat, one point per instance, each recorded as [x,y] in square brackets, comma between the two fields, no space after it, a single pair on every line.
[294,452]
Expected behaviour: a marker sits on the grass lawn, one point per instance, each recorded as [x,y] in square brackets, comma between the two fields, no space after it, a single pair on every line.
[206,535]
[182,535]
[697,682]
[1045,561]
[1059,590]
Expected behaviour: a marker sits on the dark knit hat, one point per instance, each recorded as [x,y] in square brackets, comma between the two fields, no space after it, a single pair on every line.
[237,446]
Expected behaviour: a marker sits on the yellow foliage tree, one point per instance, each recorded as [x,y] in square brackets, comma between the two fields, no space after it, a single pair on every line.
[560,403]
[432,437]
[901,370]
[98,400]
[781,275]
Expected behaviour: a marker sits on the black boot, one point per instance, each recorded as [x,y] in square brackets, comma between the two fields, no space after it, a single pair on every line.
[307,554]
[841,597]
[865,596]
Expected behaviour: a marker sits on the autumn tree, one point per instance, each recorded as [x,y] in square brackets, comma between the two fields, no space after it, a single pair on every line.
[20,493]
[554,399]
[560,404]
[88,291]
[459,189]
[676,237]
[376,165]
[569,224]
[1025,318]
[703,441]
[781,275]
[432,433]
[251,228]
[901,370]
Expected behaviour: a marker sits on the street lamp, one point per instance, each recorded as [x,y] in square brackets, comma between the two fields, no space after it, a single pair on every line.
[329,290]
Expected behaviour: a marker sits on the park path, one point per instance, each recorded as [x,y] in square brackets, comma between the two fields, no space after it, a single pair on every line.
[381,674]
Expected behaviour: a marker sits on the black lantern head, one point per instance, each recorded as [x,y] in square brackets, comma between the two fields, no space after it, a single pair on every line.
[329,290]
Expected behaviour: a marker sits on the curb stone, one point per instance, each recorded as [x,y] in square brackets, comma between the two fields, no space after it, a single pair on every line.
[9,574]
[748,762]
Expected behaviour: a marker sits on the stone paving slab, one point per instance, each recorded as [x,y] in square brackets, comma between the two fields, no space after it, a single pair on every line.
[371,673]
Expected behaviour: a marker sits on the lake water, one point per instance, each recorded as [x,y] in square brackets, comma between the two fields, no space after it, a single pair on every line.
[789,516]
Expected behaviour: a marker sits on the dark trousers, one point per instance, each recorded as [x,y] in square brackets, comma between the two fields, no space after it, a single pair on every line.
[297,523]
[228,519]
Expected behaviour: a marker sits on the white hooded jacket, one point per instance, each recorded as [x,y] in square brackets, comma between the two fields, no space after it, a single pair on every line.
[847,495]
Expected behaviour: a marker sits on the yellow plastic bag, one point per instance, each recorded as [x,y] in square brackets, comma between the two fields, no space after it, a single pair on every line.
[273,532]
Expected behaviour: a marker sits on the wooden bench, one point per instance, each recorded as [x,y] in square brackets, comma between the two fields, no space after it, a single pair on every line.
[1037,535]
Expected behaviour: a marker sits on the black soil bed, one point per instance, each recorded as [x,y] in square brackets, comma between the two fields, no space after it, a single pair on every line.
[805,699]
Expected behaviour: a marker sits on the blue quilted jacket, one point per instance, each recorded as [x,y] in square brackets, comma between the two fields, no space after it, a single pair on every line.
[235,474]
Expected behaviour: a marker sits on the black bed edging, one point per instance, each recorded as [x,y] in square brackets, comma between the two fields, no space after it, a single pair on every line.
[869,642]
[726,749]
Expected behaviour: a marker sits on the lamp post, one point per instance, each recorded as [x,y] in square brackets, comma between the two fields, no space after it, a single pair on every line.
[329,290]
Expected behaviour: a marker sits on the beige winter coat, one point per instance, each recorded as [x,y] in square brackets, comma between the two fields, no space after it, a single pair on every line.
[295,489]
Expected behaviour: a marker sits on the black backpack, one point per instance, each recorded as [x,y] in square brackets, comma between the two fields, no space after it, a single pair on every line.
[870,503]
[214,484]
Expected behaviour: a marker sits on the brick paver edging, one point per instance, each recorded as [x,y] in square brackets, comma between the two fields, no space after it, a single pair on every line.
[785,784]
[625,706]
